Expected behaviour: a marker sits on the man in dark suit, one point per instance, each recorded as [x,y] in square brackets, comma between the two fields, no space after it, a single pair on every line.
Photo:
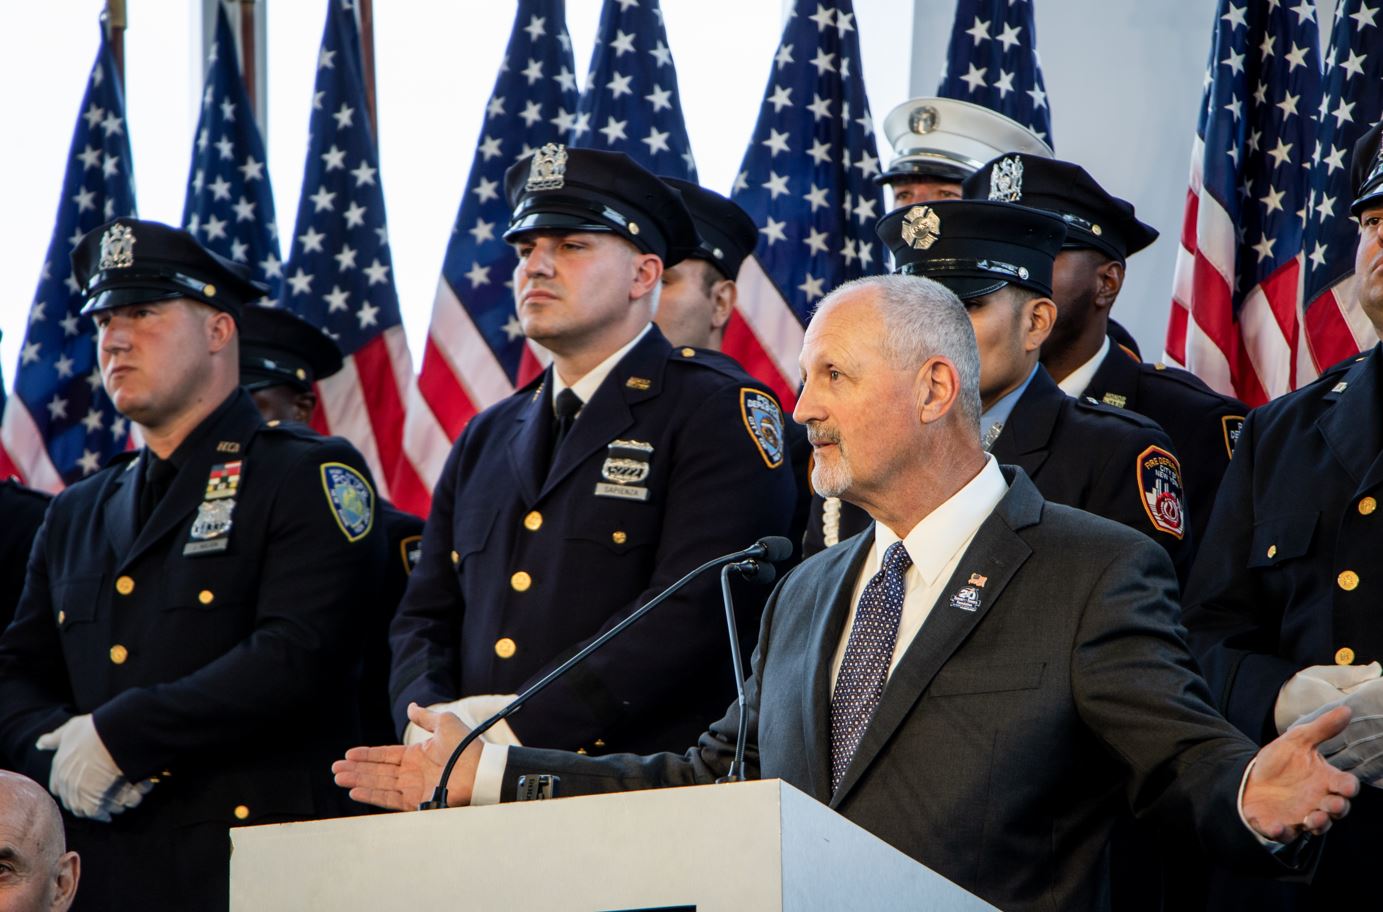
[282,358]
[177,600]
[1282,606]
[1102,231]
[998,258]
[980,679]
[624,465]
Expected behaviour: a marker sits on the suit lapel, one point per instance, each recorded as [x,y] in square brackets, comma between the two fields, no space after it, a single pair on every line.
[120,512]
[532,439]
[609,413]
[1349,427]
[828,625]
[1027,434]
[996,552]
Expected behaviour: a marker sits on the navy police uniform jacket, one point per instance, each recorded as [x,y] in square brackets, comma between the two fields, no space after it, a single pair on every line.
[1291,573]
[215,647]
[21,513]
[1202,423]
[1104,460]
[677,458]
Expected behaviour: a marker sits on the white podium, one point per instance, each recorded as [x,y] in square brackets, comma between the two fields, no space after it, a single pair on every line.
[746,846]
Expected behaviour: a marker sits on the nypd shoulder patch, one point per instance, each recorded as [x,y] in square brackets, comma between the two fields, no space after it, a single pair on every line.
[1159,485]
[351,499]
[764,421]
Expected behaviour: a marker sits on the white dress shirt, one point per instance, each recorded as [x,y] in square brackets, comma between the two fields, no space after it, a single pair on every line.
[1078,381]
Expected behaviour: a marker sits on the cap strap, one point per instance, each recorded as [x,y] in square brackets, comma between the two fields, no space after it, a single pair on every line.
[953,265]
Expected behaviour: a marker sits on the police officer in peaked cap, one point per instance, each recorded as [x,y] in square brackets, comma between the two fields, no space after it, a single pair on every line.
[997,258]
[183,602]
[282,357]
[1102,232]
[1282,607]
[563,508]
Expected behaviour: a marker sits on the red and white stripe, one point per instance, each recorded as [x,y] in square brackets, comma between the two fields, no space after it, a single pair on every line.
[764,335]
[22,453]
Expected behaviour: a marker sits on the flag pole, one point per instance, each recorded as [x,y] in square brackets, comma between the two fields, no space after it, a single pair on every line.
[248,60]
[367,56]
[115,34]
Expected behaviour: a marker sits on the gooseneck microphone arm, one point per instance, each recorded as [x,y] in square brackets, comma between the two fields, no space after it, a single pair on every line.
[771,548]
[760,573]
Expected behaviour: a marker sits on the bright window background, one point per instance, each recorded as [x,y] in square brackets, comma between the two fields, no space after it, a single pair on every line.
[436,62]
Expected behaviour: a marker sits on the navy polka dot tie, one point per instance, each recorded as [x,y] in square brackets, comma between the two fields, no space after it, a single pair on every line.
[868,654]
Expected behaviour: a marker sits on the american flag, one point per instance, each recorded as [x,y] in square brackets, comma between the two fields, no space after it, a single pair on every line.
[338,273]
[476,352]
[992,61]
[630,103]
[229,205]
[1352,102]
[59,425]
[1237,291]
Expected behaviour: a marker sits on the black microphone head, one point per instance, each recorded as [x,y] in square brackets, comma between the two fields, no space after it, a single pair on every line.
[758,571]
[775,547]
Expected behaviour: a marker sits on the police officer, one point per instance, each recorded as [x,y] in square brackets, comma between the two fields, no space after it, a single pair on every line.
[624,465]
[179,601]
[22,511]
[282,357]
[939,142]
[1282,607]
[1102,231]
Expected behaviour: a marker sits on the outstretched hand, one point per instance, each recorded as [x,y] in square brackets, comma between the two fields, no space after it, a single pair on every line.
[1292,789]
[401,778]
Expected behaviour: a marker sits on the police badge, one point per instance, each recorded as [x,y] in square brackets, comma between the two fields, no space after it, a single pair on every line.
[117,248]
[764,420]
[1006,180]
[1159,480]
[549,167]
[921,227]
[351,499]
[626,464]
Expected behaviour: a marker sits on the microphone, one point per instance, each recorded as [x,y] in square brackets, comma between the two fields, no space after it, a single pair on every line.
[756,571]
[773,547]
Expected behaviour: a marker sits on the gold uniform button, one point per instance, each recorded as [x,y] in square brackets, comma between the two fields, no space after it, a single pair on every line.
[505,648]
[1349,580]
[599,742]
[206,596]
[274,423]
[1345,656]
[455,558]
[533,521]
[1272,551]
[579,750]
[118,654]
[618,538]
[124,585]
[688,352]
[241,812]
[521,581]
[1367,506]
[62,616]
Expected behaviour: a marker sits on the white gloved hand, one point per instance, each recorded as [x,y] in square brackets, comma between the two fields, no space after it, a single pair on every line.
[1311,688]
[471,711]
[1359,748]
[84,776]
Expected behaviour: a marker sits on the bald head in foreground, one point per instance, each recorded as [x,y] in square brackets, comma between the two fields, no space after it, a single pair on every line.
[37,873]
[982,679]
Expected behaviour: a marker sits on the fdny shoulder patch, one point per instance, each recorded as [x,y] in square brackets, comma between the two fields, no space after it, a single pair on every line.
[1233,424]
[410,549]
[764,421]
[351,499]
[1159,484]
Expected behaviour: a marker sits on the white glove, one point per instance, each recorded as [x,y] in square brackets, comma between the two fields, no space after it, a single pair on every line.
[84,775]
[471,711]
[1359,748]
[1311,688]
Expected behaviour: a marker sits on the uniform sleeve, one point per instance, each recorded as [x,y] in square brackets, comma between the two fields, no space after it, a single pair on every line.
[425,634]
[35,696]
[722,495]
[1232,623]
[301,648]
[1135,475]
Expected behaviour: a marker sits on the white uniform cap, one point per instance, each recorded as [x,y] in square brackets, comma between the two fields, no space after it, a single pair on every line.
[950,139]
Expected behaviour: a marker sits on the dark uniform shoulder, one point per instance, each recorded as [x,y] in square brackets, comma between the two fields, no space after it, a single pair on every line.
[709,359]
[1333,381]
[1186,383]
[1088,406]
[14,494]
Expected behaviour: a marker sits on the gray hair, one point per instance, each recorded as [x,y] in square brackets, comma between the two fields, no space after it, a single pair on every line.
[922,319]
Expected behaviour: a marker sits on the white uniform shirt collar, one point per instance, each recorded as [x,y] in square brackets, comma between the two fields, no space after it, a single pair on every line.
[1079,380]
[587,385]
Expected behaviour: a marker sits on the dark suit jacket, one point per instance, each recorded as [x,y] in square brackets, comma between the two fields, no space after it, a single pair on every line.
[1299,510]
[471,624]
[1009,735]
[1202,423]
[21,513]
[1078,453]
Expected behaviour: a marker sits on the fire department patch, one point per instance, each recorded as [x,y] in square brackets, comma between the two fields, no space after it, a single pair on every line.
[1233,425]
[1159,484]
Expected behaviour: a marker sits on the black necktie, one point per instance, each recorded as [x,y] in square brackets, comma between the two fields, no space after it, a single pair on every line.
[158,475]
[566,406]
